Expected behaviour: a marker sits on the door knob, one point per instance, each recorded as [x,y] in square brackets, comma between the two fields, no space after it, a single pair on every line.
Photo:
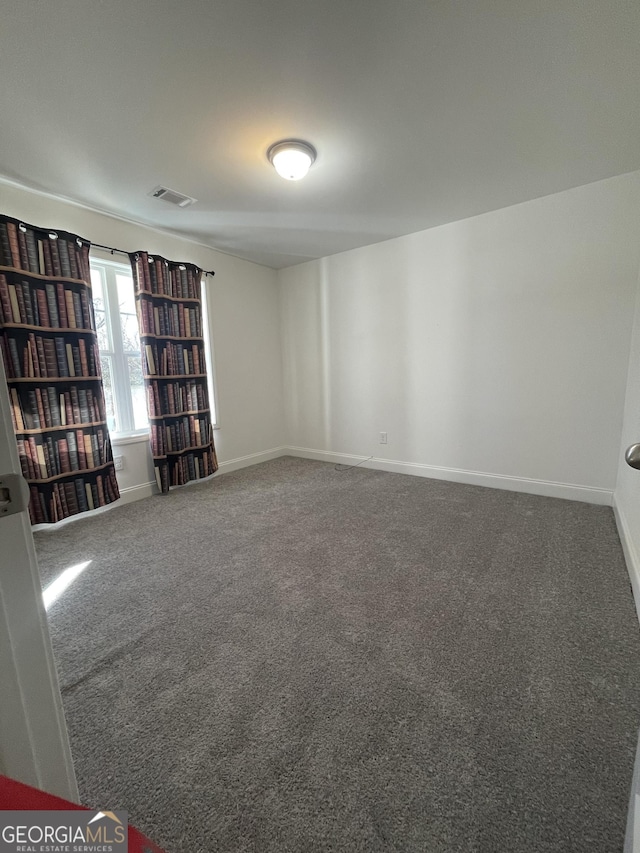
[632,456]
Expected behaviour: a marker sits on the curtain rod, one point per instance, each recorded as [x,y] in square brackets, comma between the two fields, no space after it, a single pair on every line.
[122,252]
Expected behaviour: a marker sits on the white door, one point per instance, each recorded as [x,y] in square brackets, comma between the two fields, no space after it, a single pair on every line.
[34,747]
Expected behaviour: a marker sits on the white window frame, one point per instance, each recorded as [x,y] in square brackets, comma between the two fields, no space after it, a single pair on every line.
[120,370]
[209,355]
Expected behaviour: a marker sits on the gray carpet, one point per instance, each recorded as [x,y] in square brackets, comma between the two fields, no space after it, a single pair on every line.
[288,658]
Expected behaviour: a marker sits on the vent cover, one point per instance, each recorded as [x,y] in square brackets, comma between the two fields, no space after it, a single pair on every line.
[172,197]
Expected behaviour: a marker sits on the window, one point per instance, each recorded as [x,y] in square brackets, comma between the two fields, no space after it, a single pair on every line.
[119,342]
[208,352]
[117,324]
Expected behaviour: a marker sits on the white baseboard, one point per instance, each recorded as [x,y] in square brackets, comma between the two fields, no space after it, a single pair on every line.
[602,497]
[145,490]
[127,496]
[136,493]
[251,459]
[631,556]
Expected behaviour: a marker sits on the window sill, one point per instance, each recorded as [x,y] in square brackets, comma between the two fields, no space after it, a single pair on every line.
[132,438]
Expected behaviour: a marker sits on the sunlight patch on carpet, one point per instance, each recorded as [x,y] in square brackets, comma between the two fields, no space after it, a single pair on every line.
[55,589]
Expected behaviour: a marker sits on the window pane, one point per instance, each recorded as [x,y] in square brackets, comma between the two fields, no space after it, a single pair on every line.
[130,337]
[101,328]
[126,299]
[107,382]
[207,351]
[119,342]
[96,288]
[138,396]
[99,309]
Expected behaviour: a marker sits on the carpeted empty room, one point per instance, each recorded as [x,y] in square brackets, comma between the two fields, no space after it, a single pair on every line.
[297,657]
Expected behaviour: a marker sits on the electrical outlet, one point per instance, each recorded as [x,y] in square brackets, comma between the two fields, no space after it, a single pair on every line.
[383,438]
[118,463]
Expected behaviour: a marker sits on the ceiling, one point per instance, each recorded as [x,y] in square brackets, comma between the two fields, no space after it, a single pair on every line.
[422,111]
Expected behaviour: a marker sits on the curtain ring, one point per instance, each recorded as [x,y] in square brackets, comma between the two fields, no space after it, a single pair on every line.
[78,241]
[22,227]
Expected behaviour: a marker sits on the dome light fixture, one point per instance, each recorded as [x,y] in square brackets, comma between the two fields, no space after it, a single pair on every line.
[291,158]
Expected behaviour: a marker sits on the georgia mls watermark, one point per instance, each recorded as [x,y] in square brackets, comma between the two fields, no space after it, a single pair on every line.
[63,832]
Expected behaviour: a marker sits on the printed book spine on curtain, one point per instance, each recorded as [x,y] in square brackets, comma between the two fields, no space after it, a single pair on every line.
[51,356]
[174,364]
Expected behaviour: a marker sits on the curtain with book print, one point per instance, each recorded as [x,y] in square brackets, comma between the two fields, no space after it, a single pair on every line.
[175,373]
[52,364]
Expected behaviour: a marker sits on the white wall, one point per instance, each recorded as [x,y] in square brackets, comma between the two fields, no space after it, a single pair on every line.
[245,325]
[627,493]
[498,344]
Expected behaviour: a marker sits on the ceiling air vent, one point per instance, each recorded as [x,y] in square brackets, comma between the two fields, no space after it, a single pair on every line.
[172,197]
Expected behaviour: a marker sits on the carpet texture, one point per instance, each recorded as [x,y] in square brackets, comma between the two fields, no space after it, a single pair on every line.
[292,658]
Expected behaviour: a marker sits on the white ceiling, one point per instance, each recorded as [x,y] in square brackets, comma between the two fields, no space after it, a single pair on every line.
[422,111]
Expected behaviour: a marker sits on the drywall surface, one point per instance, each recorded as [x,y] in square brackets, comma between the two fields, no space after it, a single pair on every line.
[244,321]
[498,344]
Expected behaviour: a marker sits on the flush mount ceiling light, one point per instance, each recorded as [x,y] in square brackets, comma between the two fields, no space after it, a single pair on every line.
[291,158]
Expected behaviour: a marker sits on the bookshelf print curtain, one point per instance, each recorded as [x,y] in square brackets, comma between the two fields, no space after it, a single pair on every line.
[52,363]
[170,320]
